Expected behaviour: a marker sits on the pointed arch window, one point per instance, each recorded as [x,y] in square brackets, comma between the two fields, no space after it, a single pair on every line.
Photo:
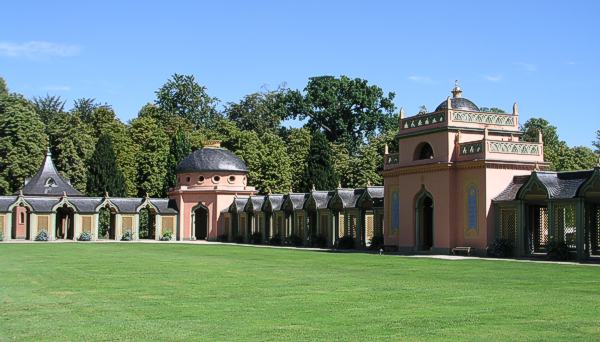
[423,151]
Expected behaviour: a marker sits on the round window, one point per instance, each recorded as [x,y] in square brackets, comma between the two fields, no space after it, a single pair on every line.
[187,179]
[200,179]
[231,179]
[216,179]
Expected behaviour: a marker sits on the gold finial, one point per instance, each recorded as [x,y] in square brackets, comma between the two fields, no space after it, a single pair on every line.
[456,92]
[212,143]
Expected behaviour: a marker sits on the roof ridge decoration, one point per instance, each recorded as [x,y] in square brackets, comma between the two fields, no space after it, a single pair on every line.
[534,184]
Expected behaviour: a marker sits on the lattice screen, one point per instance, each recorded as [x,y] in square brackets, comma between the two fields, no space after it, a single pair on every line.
[300,225]
[352,220]
[541,229]
[242,227]
[342,226]
[595,231]
[564,224]
[86,224]
[42,223]
[127,223]
[226,223]
[508,224]
[369,226]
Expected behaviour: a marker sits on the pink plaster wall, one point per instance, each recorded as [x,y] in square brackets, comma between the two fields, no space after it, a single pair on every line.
[21,226]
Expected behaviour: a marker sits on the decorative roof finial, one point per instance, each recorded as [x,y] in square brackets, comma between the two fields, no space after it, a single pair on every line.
[456,92]
[147,197]
[449,102]
[540,136]
[48,152]
[106,194]
[402,113]
[313,187]
[537,167]
[64,194]
[339,185]
[268,190]
[21,193]
[368,182]
[386,149]
[515,109]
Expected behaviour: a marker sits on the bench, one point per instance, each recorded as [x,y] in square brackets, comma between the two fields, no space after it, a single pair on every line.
[466,250]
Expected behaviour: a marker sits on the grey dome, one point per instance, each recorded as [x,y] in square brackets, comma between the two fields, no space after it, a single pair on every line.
[459,103]
[211,159]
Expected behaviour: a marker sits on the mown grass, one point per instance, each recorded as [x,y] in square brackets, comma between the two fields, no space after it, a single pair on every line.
[128,291]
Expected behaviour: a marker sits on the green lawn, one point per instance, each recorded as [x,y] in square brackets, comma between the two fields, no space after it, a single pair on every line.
[133,291]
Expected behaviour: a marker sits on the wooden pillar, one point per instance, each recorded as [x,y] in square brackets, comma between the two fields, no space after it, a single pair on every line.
[580,227]
[521,240]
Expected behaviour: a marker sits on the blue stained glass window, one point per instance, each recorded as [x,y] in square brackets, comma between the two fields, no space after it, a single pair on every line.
[472,208]
[395,211]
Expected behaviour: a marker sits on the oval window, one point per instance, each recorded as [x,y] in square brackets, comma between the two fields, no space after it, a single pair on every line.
[231,179]
[200,179]
[187,179]
[216,179]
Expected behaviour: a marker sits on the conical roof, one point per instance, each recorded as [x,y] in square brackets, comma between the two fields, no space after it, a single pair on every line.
[48,182]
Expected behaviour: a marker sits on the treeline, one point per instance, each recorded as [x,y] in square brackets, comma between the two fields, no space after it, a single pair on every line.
[346,124]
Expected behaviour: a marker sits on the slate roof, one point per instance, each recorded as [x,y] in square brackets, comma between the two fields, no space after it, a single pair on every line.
[297,200]
[375,191]
[560,185]
[165,206]
[459,103]
[5,202]
[48,182]
[240,204]
[42,204]
[256,202]
[86,204]
[126,205]
[511,191]
[322,198]
[212,159]
[349,197]
[276,201]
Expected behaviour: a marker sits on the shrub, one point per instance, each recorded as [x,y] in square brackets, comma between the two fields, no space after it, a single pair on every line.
[318,241]
[42,236]
[376,242]
[223,238]
[275,240]
[256,238]
[238,239]
[500,248]
[346,242]
[85,236]
[167,236]
[127,236]
[557,250]
[293,240]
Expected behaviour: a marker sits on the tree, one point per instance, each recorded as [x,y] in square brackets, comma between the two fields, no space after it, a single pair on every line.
[298,149]
[575,158]
[84,108]
[72,146]
[3,87]
[260,112]
[179,148]
[552,144]
[365,167]
[22,142]
[274,169]
[151,155]
[492,110]
[596,143]
[183,96]
[347,110]
[48,107]
[103,174]
[319,172]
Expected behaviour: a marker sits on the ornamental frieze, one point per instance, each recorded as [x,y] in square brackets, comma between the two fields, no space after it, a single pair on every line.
[423,120]
[484,118]
[471,148]
[514,147]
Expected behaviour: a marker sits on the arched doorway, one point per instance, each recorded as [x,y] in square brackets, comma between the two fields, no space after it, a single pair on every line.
[147,227]
[201,222]
[424,231]
[106,220]
[65,228]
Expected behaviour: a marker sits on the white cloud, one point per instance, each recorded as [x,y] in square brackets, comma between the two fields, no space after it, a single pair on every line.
[493,78]
[57,88]
[37,49]
[527,66]
[421,79]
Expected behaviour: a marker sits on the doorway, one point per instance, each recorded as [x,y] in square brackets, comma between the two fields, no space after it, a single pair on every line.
[424,232]
[201,223]
[65,228]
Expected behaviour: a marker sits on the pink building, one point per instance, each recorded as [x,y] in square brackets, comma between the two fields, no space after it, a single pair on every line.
[451,163]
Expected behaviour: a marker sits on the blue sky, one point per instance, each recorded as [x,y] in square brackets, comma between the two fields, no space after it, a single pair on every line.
[544,55]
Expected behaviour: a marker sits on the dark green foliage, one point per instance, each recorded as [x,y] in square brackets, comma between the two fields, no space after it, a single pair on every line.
[85,236]
[48,107]
[293,240]
[318,241]
[127,236]
[320,166]
[84,108]
[103,223]
[22,142]
[298,149]
[256,238]
[557,250]
[180,148]
[346,242]
[345,109]
[500,248]
[376,242]
[42,236]
[259,112]
[3,87]
[275,240]
[492,110]
[183,96]
[166,236]
[103,174]
[151,155]
[144,224]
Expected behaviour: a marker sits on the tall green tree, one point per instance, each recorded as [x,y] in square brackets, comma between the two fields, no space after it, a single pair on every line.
[260,112]
[72,144]
[274,165]
[84,109]
[320,170]
[365,167]
[553,146]
[22,142]
[298,149]
[3,87]
[596,143]
[347,110]
[179,148]
[48,107]
[104,175]
[152,155]
[183,96]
